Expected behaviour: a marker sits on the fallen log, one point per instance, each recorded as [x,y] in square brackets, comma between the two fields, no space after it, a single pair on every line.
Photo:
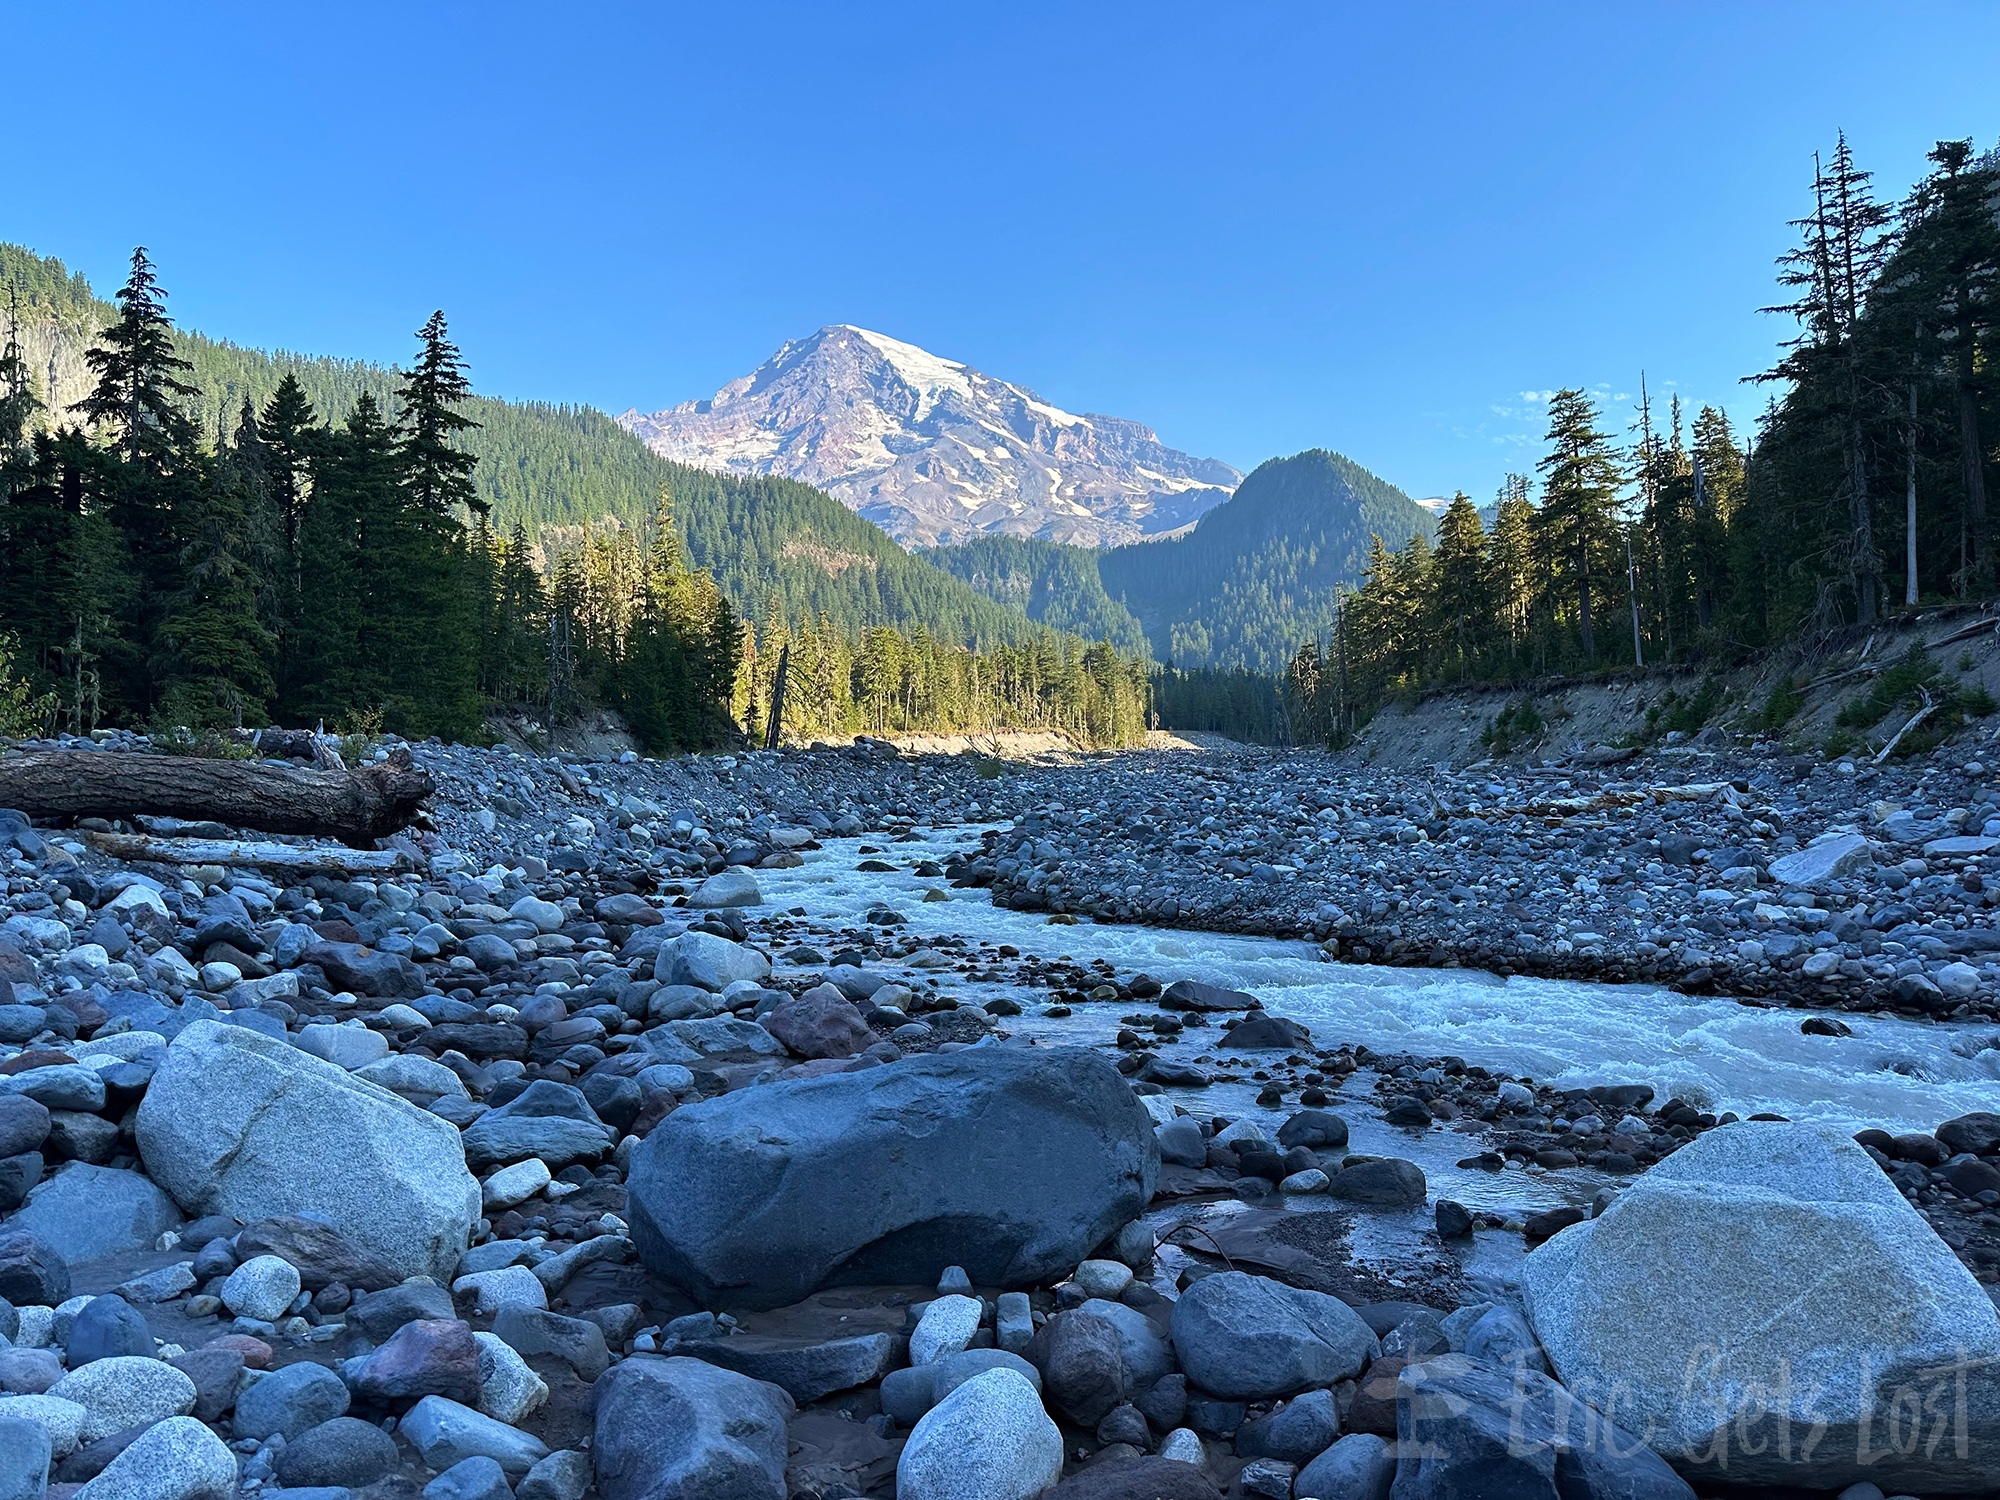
[236,853]
[356,807]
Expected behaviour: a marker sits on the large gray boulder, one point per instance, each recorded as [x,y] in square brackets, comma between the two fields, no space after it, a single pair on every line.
[1771,1311]
[1011,1162]
[238,1123]
[1464,1428]
[679,1429]
[1250,1338]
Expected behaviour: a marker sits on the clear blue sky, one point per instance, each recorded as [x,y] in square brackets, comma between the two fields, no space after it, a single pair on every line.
[1258,228]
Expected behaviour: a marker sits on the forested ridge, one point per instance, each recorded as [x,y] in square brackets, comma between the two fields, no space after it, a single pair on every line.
[1863,490]
[212,536]
[554,469]
[1255,576]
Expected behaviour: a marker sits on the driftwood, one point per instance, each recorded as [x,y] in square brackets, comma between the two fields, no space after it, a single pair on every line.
[355,807]
[323,860]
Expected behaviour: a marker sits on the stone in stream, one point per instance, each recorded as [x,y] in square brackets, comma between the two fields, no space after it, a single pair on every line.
[989,1438]
[1879,1318]
[1013,1163]
[1267,1031]
[1387,1180]
[1247,1337]
[237,1123]
[679,1429]
[731,887]
[1193,995]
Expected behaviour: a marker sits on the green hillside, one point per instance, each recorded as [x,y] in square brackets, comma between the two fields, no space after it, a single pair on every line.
[550,466]
[1050,582]
[1254,578]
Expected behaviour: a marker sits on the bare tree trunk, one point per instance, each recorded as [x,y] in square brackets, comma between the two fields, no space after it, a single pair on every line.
[357,808]
[1971,459]
[1910,506]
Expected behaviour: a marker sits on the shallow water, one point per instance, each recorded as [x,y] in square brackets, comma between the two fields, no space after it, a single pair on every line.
[1895,1073]
[1898,1074]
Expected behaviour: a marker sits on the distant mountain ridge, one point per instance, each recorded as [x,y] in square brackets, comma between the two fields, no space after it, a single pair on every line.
[934,451]
[1255,579]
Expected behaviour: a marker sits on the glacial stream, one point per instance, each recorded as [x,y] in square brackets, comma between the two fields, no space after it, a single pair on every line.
[1892,1073]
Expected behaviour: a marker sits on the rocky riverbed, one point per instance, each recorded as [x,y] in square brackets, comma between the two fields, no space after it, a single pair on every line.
[708,1128]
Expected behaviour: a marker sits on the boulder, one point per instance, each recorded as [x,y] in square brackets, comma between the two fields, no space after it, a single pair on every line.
[708,962]
[85,1212]
[679,1429]
[289,1401]
[1466,1428]
[1826,860]
[24,1452]
[989,1438]
[1083,1371]
[238,1123]
[1249,1338]
[344,1451]
[1770,1308]
[1012,1163]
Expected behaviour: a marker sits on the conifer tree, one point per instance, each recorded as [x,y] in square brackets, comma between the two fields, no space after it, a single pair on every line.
[1578,515]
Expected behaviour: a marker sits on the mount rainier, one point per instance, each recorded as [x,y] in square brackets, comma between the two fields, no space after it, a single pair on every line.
[933,451]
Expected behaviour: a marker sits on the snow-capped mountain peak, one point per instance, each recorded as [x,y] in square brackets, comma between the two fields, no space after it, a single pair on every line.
[933,450]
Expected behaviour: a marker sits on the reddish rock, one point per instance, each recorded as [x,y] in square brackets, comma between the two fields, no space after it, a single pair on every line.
[821,1023]
[428,1357]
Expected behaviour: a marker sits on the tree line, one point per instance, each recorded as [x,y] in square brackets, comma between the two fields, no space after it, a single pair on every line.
[159,571]
[887,681]
[1864,490]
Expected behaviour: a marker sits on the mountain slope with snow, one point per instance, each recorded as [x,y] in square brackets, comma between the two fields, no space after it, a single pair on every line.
[933,451]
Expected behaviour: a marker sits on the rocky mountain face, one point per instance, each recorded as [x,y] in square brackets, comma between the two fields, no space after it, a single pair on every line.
[933,451]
